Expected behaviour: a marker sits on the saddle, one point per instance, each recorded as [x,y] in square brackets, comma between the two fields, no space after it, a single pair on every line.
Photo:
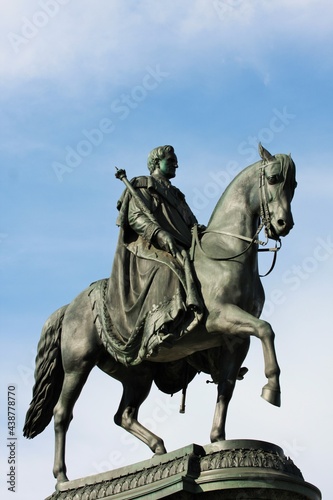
[134,350]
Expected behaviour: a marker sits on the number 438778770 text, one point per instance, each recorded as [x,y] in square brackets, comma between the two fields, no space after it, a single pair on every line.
[11,439]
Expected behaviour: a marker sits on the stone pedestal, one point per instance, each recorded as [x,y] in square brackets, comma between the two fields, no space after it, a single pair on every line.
[237,470]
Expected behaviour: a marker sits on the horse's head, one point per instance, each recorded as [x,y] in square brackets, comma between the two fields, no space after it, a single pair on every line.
[277,186]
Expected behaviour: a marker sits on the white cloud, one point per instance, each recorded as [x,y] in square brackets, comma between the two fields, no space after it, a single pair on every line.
[75,42]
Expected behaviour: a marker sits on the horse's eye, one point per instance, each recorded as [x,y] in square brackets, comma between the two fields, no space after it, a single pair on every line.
[274,179]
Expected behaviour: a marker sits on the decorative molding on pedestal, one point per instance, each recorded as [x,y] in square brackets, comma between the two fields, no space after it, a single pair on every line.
[237,469]
[231,455]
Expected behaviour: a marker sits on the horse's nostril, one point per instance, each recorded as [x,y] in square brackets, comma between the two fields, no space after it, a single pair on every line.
[281,222]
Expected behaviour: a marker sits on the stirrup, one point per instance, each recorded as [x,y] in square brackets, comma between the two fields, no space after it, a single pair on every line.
[242,372]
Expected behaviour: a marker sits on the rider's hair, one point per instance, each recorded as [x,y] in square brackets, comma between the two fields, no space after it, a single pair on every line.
[158,154]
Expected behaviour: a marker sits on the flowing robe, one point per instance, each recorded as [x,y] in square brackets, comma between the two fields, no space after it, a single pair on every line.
[149,289]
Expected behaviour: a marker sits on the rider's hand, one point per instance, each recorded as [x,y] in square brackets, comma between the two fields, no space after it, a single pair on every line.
[166,242]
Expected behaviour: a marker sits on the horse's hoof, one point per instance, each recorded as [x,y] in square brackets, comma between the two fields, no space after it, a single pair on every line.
[271,395]
[61,480]
[159,451]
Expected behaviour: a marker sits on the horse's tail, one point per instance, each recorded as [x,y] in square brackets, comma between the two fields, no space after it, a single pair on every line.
[49,376]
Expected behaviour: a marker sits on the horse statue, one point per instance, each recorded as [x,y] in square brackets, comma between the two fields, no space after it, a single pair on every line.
[225,260]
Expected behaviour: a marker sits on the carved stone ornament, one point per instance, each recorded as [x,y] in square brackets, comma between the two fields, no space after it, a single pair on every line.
[237,469]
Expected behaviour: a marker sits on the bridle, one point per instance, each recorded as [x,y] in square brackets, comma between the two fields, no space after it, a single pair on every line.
[265,222]
[265,215]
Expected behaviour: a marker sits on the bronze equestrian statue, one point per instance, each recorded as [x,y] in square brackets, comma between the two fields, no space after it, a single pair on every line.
[209,298]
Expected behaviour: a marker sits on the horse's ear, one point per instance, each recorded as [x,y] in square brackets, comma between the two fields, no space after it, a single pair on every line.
[264,154]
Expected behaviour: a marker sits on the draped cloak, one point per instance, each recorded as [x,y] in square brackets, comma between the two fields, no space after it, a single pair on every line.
[149,289]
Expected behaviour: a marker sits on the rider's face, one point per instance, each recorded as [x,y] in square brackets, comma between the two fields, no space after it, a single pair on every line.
[168,166]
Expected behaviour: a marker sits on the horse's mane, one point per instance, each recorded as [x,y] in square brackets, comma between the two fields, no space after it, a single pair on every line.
[230,186]
[288,173]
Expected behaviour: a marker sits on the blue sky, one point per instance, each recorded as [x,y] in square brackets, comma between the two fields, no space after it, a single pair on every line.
[89,85]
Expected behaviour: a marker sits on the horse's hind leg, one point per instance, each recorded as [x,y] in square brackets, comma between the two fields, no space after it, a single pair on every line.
[136,388]
[80,351]
[230,360]
[63,414]
[224,394]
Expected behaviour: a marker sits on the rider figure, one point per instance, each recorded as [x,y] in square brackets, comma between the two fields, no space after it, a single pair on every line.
[174,218]
[152,289]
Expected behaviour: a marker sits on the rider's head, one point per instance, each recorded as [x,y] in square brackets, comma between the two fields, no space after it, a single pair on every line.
[163,160]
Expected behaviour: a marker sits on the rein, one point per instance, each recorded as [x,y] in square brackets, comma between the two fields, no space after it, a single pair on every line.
[265,223]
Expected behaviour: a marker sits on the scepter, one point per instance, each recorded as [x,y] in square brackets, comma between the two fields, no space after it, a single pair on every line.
[121,175]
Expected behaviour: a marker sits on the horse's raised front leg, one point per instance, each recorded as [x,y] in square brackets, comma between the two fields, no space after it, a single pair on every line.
[136,390]
[232,320]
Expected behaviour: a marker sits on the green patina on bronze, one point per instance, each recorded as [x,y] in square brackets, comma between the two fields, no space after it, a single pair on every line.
[174,305]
